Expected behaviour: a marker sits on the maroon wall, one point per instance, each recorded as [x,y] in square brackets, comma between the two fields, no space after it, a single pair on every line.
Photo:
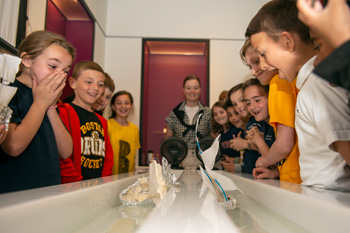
[145,96]
[55,21]
[79,33]
[164,91]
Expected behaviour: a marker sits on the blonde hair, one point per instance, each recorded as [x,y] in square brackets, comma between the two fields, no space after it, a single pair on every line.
[247,44]
[82,66]
[35,43]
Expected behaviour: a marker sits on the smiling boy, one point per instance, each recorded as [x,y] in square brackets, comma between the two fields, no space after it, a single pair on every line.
[256,99]
[102,102]
[284,43]
[92,151]
[281,104]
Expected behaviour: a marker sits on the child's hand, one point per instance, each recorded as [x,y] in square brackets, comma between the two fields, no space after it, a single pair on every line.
[228,164]
[255,135]
[265,173]
[331,22]
[49,89]
[3,133]
[260,162]
[237,143]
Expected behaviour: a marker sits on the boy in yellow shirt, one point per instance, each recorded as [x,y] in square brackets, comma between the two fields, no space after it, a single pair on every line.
[322,113]
[281,104]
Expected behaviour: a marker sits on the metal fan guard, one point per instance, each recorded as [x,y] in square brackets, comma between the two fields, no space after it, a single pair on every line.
[174,150]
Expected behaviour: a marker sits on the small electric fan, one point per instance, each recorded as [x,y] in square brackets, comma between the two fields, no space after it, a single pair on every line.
[174,149]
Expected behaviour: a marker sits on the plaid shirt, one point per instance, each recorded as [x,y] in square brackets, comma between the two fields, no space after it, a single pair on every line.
[204,126]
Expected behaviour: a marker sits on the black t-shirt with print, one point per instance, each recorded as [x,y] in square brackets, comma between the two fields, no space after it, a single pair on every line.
[92,143]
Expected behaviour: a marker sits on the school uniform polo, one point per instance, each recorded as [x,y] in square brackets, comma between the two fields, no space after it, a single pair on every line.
[322,116]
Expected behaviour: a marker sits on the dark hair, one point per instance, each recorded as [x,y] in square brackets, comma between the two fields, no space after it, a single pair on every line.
[255,82]
[82,66]
[69,98]
[109,83]
[215,126]
[228,104]
[191,77]
[277,16]
[114,97]
[223,95]
[232,90]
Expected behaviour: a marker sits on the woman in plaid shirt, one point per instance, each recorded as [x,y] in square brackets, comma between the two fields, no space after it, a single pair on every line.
[182,120]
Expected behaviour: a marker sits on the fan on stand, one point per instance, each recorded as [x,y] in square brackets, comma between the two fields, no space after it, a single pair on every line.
[205,143]
[174,149]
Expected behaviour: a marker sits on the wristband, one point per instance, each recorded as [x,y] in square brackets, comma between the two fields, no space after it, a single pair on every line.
[53,107]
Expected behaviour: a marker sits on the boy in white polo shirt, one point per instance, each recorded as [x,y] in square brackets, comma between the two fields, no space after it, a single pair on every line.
[322,115]
[323,126]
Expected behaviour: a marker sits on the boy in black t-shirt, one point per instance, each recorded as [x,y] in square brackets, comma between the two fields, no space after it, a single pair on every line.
[92,152]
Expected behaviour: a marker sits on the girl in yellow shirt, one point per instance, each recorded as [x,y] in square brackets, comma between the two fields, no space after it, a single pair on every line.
[124,135]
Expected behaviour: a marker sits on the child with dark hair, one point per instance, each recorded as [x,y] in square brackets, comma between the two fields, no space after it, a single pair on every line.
[124,135]
[322,117]
[332,23]
[240,142]
[236,99]
[235,164]
[258,132]
[102,102]
[222,125]
[282,99]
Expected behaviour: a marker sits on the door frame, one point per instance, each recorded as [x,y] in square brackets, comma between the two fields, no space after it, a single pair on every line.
[144,40]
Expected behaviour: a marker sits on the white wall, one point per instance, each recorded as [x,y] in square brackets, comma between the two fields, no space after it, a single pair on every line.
[123,64]
[9,20]
[121,25]
[126,22]
[226,67]
[36,15]
[99,45]
[98,9]
[219,19]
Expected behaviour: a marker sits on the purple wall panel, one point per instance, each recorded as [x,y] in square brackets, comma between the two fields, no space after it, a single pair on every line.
[79,33]
[145,105]
[166,75]
[55,21]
